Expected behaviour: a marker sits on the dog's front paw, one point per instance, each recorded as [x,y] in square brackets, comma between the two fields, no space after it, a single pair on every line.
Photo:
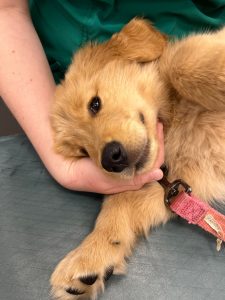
[84,271]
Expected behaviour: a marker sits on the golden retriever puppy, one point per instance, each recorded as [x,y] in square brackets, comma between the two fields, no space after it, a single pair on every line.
[108,107]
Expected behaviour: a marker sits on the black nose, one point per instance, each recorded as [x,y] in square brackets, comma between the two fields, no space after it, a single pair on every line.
[114,157]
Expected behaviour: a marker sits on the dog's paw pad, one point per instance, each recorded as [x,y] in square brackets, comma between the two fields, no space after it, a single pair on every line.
[74,291]
[89,280]
[108,273]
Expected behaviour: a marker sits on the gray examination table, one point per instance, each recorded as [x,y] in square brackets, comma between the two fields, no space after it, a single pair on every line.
[40,222]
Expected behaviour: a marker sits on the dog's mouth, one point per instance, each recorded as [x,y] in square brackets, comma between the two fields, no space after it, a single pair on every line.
[143,157]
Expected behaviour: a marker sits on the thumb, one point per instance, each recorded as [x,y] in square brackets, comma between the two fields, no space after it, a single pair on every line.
[140,180]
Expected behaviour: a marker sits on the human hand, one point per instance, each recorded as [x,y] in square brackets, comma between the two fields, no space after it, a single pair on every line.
[84,175]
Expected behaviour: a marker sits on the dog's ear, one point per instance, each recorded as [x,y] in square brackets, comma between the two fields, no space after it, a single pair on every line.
[139,41]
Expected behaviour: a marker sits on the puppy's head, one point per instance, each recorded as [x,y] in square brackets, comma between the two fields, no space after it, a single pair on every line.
[108,105]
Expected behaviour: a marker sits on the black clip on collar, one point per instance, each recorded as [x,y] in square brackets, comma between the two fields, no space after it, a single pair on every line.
[172,189]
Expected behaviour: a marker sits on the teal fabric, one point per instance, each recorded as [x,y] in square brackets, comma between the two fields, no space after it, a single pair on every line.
[40,222]
[65,25]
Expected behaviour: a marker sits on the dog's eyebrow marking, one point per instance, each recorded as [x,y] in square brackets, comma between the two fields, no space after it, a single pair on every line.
[142,118]
[115,243]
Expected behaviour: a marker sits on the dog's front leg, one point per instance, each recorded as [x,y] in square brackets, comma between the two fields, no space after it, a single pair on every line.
[82,273]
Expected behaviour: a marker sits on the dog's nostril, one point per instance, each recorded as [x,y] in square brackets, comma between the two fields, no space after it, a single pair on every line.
[114,157]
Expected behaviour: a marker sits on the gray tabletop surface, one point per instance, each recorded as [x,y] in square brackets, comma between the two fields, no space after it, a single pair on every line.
[40,222]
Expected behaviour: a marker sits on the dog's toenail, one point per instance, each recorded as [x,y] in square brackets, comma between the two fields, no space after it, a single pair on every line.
[89,280]
[74,291]
[108,273]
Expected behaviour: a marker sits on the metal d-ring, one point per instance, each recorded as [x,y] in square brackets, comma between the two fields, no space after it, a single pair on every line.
[172,189]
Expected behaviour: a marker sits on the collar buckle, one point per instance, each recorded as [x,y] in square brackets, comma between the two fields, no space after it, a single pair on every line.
[172,189]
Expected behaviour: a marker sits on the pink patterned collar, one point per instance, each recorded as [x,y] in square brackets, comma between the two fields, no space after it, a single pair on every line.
[180,200]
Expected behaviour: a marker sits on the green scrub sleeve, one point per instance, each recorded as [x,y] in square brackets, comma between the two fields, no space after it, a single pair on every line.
[65,25]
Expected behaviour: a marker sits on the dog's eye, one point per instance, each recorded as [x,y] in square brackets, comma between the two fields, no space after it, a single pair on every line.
[94,105]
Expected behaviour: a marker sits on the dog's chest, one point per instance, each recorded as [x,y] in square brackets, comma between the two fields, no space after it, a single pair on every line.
[196,140]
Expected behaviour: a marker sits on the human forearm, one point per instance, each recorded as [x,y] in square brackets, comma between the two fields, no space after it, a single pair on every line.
[26,82]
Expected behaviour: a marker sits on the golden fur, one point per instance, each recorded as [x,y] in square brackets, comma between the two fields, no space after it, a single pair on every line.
[137,71]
